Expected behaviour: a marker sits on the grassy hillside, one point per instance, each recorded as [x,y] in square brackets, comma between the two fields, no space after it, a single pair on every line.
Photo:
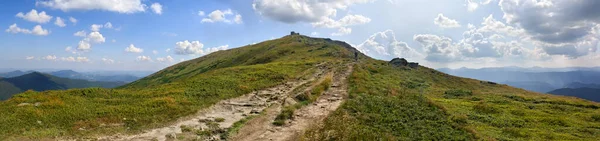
[40,82]
[174,92]
[386,104]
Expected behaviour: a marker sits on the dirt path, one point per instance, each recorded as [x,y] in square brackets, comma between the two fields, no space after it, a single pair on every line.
[224,114]
[261,128]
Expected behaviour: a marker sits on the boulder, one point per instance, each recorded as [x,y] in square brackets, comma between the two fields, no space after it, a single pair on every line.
[399,62]
[413,65]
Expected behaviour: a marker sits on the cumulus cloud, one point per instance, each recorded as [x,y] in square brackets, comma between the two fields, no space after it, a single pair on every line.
[226,16]
[293,11]
[445,22]
[29,57]
[80,33]
[133,49]
[187,48]
[144,59]
[70,50]
[108,61]
[37,30]
[96,27]
[165,59]
[319,13]
[96,37]
[347,20]
[201,13]
[156,8]
[84,46]
[384,45]
[560,27]
[49,57]
[59,22]
[75,59]
[34,16]
[73,20]
[120,6]
[342,31]
[195,48]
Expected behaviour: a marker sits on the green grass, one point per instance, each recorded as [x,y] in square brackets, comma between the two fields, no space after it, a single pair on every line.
[174,92]
[386,104]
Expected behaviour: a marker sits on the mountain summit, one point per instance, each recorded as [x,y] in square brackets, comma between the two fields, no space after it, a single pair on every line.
[298,88]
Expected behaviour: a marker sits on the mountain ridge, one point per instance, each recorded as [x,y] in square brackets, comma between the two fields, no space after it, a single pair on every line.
[381,101]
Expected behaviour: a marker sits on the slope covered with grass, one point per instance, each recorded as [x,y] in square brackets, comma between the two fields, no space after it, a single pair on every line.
[165,96]
[398,103]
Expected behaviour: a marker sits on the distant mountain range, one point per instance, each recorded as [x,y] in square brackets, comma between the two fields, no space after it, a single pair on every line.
[592,94]
[76,75]
[40,82]
[579,82]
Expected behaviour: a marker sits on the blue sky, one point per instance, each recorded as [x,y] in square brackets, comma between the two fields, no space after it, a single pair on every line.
[436,33]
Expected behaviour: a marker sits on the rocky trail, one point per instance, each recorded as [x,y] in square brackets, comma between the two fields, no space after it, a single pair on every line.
[262,129]
[211,123]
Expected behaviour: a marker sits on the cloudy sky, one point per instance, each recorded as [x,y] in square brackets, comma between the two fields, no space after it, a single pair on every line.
[153,34]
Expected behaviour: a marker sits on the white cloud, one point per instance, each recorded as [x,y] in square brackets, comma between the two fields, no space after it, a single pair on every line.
[96,37]
[34,16]
[108,25]
[293,11]
[120,6]
[37,30]
[59,22]
[84,46]
[80,33]
[168,50]
[471,5]
[238,19]
[347,20]
[560,27]
[226,16]
[144,59]
[70,50]
[157,8]
[49,57]
[188,48]
[73,20]
[108,61]
[14,29]
[133,49]
[154,52]
[166,59]
[75,59]
[314,33]
[445,22]
[201,13]
[384,45]
[215,49]
[29,57]
[96,27]
[342,31]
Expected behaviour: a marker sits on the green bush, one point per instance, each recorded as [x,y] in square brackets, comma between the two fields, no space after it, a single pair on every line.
[457,93]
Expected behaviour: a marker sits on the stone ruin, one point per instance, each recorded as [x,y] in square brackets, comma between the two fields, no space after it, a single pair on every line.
[401,62]
[294,33]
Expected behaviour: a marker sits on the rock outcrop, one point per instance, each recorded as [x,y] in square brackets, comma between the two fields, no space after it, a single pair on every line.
[401,62]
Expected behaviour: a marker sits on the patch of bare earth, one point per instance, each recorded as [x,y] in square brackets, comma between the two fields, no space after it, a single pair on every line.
[211,123]
[262,129]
